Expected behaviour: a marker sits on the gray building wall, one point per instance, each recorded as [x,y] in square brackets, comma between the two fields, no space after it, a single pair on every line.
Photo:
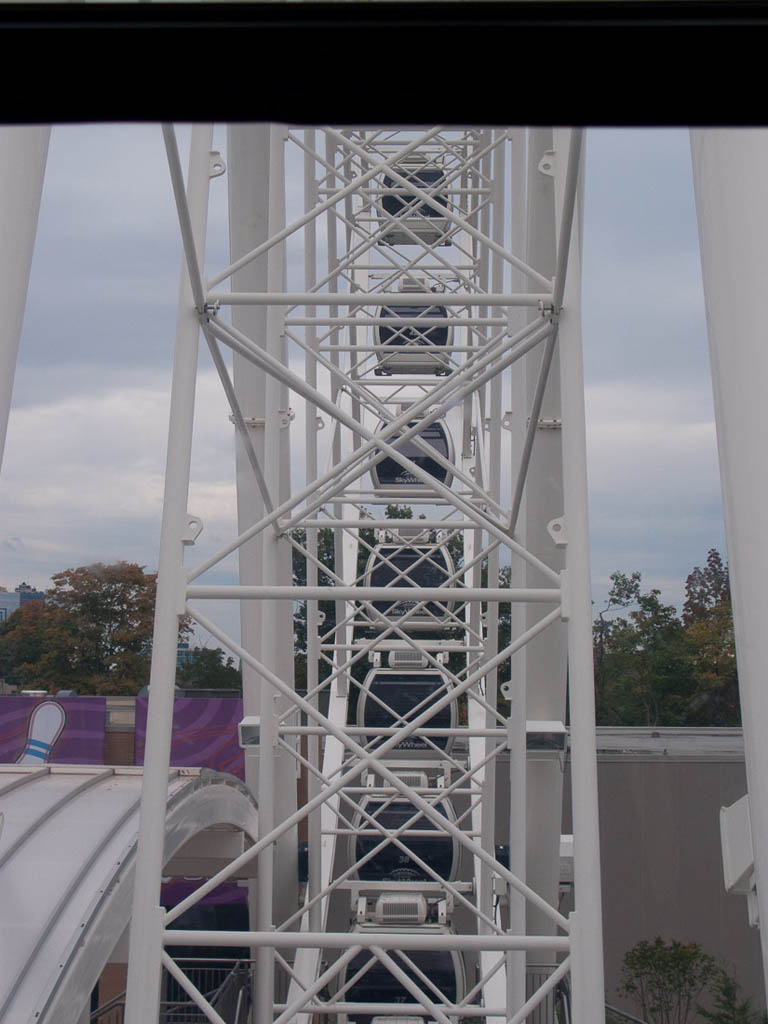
[660,794]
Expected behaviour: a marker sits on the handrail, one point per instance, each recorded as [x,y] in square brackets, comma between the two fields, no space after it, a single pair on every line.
[111,1004]
[623,1015]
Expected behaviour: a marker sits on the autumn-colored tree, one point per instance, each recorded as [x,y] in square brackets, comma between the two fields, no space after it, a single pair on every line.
[92,634]
[35,646]
[708,622]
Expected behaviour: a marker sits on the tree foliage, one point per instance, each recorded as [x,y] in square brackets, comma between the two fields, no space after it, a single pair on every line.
[93,632]
[209,668]
[655,668]
[667,979]
[728,1006]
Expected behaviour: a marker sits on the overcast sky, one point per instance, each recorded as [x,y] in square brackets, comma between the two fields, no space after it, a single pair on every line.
[83,470]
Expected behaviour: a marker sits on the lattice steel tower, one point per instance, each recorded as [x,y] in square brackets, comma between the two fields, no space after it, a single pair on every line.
[427,374]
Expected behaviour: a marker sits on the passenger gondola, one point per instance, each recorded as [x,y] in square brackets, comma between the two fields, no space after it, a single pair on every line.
[390,473]
[387,696]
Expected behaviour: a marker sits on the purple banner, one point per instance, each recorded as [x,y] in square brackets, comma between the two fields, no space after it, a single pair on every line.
[55,730]
[204,733]
[228,894]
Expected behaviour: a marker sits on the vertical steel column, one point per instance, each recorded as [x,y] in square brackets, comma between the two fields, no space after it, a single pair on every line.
[588,980]
[276,888]
[546,656]
[23,155]
[729,174]
[143,987]
[248,191]
[516,961]
[314,826]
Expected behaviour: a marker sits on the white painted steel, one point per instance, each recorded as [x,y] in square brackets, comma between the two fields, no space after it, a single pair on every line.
[588,982]
[729,173]
[477,270]
[392,940]
[143,988]
[23,156]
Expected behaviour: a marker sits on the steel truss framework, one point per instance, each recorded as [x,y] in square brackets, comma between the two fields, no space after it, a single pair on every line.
[475,233]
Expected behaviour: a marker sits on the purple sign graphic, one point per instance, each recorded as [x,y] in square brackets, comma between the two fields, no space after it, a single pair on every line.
[227,894]
[204,733]
[52,730]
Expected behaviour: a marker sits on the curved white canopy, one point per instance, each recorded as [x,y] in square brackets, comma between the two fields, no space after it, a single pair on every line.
[66,871]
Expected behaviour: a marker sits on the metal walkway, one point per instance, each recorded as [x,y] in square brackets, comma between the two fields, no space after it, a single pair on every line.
[67,850]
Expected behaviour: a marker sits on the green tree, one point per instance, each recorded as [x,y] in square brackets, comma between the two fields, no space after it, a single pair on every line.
[208,668]
[728,1006]
[643,674]
[667,979]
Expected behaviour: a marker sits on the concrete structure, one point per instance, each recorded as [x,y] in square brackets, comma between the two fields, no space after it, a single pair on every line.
[660,794]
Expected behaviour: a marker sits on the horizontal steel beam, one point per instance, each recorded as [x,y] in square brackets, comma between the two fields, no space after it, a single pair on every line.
[367,940]
[362,299]
[503,595]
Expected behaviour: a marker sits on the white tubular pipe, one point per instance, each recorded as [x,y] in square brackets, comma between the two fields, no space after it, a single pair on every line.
[143,987]
[729,174]
[360,300]
[366,940]
[23,154]
[278,593]
[588,982]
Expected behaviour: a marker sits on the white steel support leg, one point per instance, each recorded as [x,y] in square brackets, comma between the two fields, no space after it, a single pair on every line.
[588,980]
[143,987]
[546,658]
[729,173]
[23,154]
[276,887]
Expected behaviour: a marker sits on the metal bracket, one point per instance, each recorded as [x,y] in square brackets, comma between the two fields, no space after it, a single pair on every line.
[547,424]
[285,417]
[216,167]
[319,422]
[209,310]
[250,421]
[507,420]
[192,532]
[547,163]
[548,312]
[556,530]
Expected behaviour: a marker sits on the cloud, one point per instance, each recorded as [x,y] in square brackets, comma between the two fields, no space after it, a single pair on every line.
[84,466]
[654,483]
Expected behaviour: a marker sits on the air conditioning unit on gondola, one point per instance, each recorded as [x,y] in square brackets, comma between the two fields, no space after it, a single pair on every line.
[391,474]
[403,568]
[423,839]
[416,221]
[388,695]
[444,968]
[406,346]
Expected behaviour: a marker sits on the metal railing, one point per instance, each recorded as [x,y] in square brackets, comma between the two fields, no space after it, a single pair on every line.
[616,1016]
[555,1008]
[225,984]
